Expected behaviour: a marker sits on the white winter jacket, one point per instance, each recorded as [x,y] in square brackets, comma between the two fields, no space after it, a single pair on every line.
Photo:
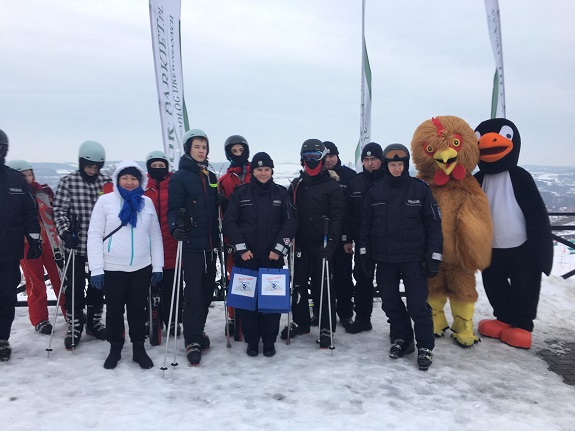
[130,248]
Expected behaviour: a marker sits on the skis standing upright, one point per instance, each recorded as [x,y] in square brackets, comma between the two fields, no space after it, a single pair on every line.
[45,211]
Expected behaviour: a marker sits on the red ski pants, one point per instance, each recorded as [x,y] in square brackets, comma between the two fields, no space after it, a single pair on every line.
[35,286]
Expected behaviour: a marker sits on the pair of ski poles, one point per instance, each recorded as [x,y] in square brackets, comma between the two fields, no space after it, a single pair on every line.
[325,280]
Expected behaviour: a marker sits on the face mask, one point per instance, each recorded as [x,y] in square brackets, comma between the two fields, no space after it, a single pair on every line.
[159,174]
[312,168]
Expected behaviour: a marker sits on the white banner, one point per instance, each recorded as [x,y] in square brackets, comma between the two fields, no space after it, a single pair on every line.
[365,119]
[494,25]
[165,25]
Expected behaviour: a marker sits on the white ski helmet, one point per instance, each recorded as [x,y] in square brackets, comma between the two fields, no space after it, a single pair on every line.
[157,155]
[189,137]
[20,165]
[92,151]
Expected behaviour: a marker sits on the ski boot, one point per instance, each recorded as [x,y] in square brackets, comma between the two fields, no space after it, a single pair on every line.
[205,342]
[44,327]
[358,326]
[294,330]
[74,333]
[324,338]
[400,347]
[5,350]
[194,354]
[424,358]
[94,325]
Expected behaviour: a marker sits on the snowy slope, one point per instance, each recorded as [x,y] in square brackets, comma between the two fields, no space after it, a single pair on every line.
[490,386]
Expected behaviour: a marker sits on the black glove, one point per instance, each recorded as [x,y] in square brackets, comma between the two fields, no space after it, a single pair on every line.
[366,266]
[71,240]
[327,251]
[35,249]
[431,267]
[222,201]
[180,234]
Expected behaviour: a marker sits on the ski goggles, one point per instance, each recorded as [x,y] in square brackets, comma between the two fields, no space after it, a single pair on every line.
[313,156]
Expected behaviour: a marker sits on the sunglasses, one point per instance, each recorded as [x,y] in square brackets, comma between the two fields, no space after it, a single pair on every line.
[312,156]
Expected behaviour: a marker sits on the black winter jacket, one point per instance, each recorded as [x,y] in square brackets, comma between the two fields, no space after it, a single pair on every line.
[315,198]
[195,190]
[356,191]
[401,221]
[18,216]
[345,175]
[260,218]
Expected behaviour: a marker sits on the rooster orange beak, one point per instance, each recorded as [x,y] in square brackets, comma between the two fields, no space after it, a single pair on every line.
[493,147]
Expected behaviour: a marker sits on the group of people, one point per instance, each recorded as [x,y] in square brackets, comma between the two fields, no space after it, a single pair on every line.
[122,233]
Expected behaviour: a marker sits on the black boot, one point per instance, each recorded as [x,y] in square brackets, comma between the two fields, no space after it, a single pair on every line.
[400,347]
[269,350]
[424,358]
[205,342]
[5,350]
[294,330]
[194,353]
[74,333]
[140,356]
[94,325]
[359,326]
[114,356]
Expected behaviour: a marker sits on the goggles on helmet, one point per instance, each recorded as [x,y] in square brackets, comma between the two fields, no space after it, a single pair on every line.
[312,156]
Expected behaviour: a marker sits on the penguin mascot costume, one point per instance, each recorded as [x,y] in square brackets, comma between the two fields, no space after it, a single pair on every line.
[522,242]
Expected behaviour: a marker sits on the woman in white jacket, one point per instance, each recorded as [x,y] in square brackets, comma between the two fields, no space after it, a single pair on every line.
[125,252]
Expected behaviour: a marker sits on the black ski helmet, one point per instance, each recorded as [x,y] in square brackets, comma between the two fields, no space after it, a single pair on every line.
[3,146]
[237,140]
[313,145]
[397,153]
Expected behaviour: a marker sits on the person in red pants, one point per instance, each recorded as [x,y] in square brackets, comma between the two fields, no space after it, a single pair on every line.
[33,269]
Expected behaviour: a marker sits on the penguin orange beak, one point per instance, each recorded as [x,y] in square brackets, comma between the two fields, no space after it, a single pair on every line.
[493,147]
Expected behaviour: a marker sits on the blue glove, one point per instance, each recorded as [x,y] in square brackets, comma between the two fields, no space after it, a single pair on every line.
[97,281]
[157,277]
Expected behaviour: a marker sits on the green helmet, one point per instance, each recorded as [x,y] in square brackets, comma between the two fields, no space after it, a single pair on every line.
[92,151]
[19,165]
[189,137]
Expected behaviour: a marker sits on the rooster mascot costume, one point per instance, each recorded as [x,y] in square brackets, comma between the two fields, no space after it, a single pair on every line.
[445,152]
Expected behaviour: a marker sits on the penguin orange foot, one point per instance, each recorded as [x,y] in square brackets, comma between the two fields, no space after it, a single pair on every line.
[516,337]
[492,327]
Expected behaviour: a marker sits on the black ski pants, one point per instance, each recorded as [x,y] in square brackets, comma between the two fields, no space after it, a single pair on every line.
[256,325]
[512,284]
[200,280]
[129,291]
[363,296]
[166,287]
[9,280]
[309,264]
[82,296]
[342,279]
[399,317]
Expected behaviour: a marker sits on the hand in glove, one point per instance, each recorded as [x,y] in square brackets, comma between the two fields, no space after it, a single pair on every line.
[431,267]
[222,201]
[327,251]
[71,240]
[180,234]
[97,281]
[35,249]
[157,277]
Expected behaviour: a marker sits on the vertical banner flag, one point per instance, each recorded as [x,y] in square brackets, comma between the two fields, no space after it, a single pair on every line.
[165,26]
[365,119]
[494,25]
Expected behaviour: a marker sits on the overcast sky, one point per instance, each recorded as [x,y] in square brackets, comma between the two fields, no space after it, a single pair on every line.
[279,72]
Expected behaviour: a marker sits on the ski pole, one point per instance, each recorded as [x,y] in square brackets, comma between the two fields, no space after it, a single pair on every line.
[223,274]
[73,300]
[177,308]
[62,288]
[292,272]
[176,283]
[329,307]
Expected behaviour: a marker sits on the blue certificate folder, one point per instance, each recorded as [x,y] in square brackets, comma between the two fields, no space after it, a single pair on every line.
[242,290]
[273,290]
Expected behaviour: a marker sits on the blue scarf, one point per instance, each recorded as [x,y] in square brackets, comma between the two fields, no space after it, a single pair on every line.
[133,204]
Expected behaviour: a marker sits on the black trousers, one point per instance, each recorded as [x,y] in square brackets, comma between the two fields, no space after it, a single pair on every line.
[83,296]
[513,284]
[256,325]
[127,290]
[415,282]
[200,280]
[363,296]
[309,264]
[9,280]
[342,279]
[166,287]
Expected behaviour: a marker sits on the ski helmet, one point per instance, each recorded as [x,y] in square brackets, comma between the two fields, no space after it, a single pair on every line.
[19,165]
[237,140]
[189,137]
[93,151]
[3,138]
[156,155]
[397,153]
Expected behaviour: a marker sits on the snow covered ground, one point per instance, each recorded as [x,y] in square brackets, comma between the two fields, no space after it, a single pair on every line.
[490,386]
